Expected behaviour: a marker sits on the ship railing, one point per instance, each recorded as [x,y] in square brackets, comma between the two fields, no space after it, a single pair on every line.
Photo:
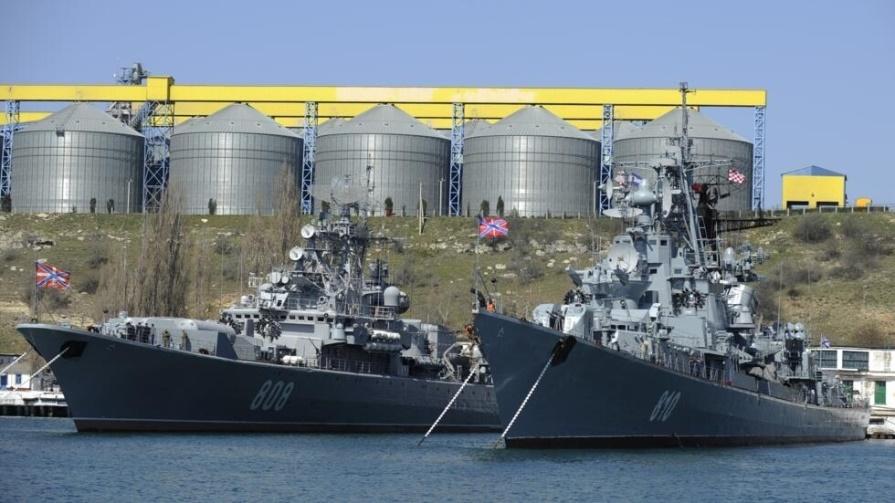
[343,365]
[376,312]
[685,363]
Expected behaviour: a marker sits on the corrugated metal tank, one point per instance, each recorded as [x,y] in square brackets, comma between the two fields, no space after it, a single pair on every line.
[403,151]
[235,156]
[636,150]
[77,154]
[535,161]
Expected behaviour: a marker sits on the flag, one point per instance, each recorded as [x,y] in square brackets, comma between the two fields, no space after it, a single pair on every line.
[735,176]
[824,342]
[493,227]
[47,276]
[635,179]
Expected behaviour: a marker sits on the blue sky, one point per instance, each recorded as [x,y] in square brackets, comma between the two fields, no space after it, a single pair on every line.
[828,66]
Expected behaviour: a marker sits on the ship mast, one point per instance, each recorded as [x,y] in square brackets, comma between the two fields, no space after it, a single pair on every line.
[692,229]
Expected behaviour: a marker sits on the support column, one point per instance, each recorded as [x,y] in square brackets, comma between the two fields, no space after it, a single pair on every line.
[9,129]
[308,157]
[606,137]
[455,186]
[156,129]
[758,155]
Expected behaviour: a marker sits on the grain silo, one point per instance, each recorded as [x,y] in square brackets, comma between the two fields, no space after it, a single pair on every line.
[402,151]
[237,157]
[76,155]
[536,162]
[637,150]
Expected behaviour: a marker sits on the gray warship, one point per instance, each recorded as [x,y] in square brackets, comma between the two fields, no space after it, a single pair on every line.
[659,344]
[319,347]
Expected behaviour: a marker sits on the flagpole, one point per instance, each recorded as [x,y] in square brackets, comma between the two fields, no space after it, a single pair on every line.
[34,291]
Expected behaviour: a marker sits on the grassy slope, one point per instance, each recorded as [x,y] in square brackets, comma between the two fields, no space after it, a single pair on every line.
[437,266]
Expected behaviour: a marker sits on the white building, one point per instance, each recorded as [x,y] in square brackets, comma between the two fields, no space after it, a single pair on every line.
[870,373]
[16,377]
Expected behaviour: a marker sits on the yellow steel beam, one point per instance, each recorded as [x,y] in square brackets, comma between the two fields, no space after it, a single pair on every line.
[163,87]
[447,95]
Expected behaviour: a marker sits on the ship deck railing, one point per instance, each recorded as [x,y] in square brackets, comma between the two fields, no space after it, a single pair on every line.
[343,365]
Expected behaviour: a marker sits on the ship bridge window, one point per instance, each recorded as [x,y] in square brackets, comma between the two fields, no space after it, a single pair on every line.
[827,359]
[855,360]
[291,316]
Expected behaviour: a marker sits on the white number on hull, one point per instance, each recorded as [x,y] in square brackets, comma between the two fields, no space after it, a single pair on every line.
[665,406]
[272,394]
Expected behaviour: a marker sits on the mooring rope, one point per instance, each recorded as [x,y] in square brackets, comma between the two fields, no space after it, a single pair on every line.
[472,372]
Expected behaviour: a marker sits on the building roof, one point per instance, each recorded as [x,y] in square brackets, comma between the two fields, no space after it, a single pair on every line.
[382,119]
[813,171]
[475,126]
[620,129]
[81,117]
[324,128]
[532,121]
[670,124]
[235,118]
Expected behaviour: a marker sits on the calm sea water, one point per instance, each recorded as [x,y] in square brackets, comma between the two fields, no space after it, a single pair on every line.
[45,459]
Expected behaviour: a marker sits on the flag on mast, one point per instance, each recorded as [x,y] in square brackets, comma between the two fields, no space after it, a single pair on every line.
[48,276]
[493,227]
[735,176]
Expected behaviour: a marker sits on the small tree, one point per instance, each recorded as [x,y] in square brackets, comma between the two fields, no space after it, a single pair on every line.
[92,205]
[389,206]
[485,207]
[212,206]
[499,206]
[324,206]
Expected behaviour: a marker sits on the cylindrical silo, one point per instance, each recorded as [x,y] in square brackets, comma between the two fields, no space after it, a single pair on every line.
[533,160]
[77,154]
[639,149]
[237,157]
[403,152]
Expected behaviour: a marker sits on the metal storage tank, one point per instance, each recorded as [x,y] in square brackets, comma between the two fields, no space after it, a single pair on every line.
[77,154]
[403,152]
[535,161]
[636,150]
[235,156]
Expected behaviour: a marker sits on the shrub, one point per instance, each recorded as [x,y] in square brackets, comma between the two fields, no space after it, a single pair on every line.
[812,229]
[90,284]
[801,275]
[10,254]
[224,245]
[97,254]
[848,272]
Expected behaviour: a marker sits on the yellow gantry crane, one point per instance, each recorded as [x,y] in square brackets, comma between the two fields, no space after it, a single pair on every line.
[161,103]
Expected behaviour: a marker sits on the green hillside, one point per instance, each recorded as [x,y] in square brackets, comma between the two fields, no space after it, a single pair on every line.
[838,271]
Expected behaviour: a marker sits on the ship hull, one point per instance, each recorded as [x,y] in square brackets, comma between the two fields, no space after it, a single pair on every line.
[599,397]
[111,384]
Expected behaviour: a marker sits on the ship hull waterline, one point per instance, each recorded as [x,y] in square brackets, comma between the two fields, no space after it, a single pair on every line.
[603,398]
[112,384]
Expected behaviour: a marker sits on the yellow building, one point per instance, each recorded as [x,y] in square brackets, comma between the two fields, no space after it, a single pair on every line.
[813,187]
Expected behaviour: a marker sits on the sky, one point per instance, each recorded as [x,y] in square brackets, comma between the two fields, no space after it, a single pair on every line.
[828,67]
